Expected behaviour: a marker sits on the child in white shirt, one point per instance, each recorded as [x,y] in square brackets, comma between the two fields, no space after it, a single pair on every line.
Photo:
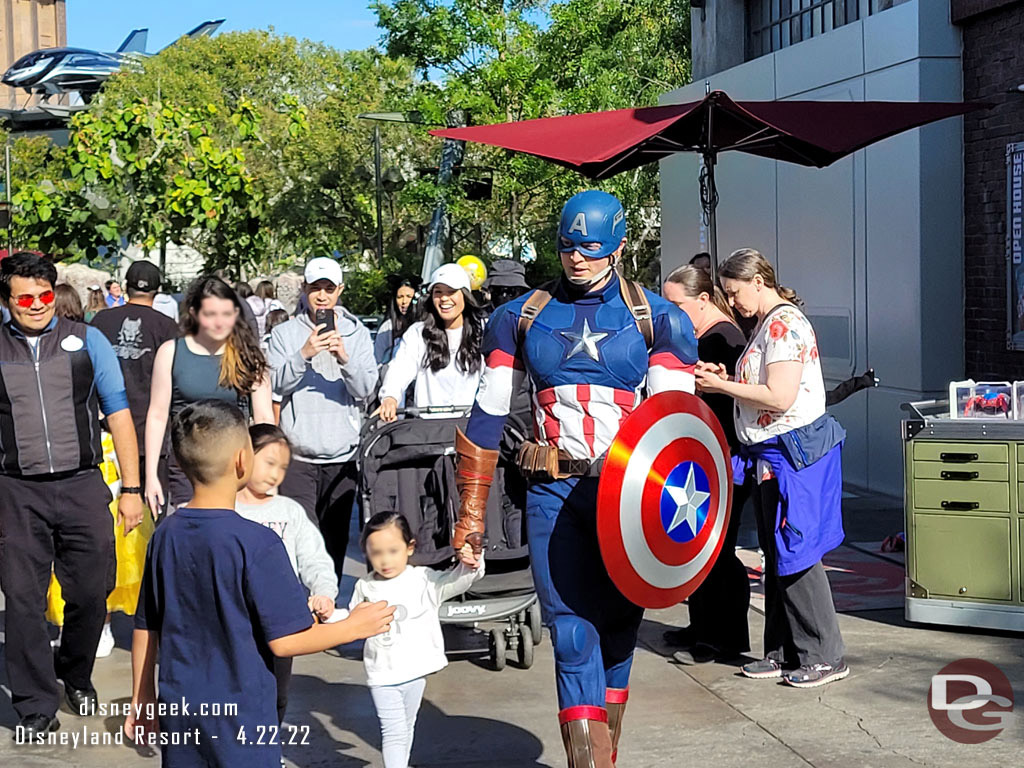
[260,502]
[398,661]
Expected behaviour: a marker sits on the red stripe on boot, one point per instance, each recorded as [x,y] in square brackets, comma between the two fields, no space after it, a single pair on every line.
[583,712]
[616,695]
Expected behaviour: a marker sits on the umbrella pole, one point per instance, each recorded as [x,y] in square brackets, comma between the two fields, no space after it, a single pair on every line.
[709,207]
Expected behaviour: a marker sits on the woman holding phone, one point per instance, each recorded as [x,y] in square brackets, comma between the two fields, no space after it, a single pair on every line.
[441,353]
[217,357]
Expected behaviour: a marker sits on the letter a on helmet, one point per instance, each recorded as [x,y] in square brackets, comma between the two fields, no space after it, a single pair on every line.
[593,218]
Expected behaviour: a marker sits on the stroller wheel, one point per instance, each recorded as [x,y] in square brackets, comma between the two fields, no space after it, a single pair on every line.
[535,622]
[497,647]
[525,650]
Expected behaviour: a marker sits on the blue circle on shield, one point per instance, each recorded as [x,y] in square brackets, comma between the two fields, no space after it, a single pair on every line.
[685,502]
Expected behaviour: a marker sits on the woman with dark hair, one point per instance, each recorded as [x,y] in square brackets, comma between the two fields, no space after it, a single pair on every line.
[400,317]
[68,305]
[262,302]
[243,289]
[443,352]
[718,609]
[218,356]
[791,450]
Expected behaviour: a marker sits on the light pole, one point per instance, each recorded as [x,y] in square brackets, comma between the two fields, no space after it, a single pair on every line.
[451,155]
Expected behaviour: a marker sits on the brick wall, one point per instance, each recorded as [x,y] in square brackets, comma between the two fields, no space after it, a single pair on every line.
[993,62]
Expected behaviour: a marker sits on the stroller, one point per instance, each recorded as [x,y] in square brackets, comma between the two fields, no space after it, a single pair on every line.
[409,466]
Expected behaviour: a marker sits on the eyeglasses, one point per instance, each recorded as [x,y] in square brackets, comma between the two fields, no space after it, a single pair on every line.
[26,300]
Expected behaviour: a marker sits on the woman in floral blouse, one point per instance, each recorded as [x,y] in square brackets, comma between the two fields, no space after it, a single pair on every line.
[779,396]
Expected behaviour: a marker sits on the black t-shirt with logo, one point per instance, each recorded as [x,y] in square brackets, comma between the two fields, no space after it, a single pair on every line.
[136,333]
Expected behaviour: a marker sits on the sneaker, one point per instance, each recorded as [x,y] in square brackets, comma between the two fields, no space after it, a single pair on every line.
[106,645]
[55,643]
[813,675]
[765,669]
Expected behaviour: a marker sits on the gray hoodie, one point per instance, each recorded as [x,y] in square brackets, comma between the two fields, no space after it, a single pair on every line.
[320,409]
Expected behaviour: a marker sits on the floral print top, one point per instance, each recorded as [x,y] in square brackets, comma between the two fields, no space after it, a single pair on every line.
[785,335]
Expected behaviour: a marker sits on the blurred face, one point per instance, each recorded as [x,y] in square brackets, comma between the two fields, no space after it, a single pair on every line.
[404,298]
[32,303]
[216,318]
[744,295]
[115,290]
[268,468]
[323,294]
[387,552]
[449,302]
[693,306]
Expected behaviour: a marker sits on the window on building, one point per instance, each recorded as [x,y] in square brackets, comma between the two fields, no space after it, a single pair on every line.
[776,24]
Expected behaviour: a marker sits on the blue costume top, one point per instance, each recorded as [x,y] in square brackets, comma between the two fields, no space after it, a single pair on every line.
[587,363]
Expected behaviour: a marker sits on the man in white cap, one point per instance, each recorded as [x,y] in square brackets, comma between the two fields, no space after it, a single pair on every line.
[322,366]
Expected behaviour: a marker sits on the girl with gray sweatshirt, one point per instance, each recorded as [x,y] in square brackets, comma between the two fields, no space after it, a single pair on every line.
[302,540]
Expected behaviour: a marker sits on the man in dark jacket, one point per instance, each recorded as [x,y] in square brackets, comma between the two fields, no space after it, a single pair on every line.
[56,377]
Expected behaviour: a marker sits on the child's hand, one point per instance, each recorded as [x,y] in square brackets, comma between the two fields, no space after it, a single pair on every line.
[468,557]
[369,619]
[142,716]
[322,606]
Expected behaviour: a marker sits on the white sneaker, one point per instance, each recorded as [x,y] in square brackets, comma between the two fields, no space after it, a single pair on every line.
[106,645]
[55,643]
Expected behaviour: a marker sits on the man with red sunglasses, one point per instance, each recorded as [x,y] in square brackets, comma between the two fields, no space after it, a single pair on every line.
[57,377]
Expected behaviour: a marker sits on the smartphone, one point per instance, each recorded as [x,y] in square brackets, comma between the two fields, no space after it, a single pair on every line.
[325,317]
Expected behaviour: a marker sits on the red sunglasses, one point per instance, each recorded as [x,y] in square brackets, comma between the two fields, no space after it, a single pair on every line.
[26,300]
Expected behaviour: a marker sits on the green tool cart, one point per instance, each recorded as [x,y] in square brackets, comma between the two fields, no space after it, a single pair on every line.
[964,508]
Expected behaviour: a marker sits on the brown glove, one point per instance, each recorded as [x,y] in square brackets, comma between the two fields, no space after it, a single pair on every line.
[474,471]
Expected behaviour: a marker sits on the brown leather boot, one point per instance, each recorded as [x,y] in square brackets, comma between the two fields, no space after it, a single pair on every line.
[474,470]
[585,735]
[615,702]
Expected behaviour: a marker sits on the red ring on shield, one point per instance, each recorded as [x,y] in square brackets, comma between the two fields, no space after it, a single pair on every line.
[649,565]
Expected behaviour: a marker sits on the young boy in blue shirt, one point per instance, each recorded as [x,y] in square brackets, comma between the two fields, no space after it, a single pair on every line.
[219,600]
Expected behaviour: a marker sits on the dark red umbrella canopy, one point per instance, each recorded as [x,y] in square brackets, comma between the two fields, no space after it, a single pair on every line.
[811,133]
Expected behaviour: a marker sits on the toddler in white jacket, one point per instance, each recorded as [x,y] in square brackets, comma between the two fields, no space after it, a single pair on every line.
[398,661]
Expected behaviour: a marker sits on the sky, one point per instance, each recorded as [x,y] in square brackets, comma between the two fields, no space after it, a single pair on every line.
[104,24]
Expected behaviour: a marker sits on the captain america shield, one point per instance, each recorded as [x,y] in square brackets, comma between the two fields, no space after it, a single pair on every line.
[664,499]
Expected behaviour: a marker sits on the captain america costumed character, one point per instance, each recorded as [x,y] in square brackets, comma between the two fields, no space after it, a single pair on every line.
[593,346]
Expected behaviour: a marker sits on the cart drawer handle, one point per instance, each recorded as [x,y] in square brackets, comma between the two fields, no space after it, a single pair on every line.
[959,458]
[959,475]
[960,505]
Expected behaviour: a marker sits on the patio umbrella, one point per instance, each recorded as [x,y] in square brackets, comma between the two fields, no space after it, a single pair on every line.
[810,133]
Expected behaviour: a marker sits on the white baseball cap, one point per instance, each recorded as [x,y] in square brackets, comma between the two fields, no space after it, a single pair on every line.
[451,275]
[323,268]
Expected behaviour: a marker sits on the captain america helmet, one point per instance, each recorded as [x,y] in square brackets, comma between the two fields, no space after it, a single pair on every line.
[593,223]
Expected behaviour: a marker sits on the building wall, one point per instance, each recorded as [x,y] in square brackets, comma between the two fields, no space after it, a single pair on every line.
[993,64]
[26,26]
[872,243]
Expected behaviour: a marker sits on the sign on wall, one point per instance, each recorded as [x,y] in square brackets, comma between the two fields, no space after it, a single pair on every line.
[1015,243]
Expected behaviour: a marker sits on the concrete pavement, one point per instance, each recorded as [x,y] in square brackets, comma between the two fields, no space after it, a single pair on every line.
[707,715]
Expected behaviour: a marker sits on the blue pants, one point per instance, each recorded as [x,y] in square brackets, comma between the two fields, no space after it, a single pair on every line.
[593,627]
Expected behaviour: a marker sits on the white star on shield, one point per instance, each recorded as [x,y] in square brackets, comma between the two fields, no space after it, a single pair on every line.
[584,342]
[688,501]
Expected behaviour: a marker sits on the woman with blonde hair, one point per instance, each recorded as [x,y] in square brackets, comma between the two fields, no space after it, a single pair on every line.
[96,302]
[718,609]
[791,449]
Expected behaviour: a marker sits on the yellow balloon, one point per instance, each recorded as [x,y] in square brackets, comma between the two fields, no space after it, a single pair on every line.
[475,269]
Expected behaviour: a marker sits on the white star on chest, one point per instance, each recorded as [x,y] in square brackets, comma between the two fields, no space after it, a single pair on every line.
[584,342]
[688,501]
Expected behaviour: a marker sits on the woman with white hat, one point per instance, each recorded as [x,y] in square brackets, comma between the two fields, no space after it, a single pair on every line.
[442,352]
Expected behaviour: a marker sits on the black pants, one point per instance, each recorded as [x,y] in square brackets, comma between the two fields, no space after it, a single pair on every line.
[63,524]
[178,488]
[327,493]
[283,674]
[800,623]
[718,608]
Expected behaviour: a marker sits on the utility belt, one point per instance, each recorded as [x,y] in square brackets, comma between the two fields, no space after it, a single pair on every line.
[546,462]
